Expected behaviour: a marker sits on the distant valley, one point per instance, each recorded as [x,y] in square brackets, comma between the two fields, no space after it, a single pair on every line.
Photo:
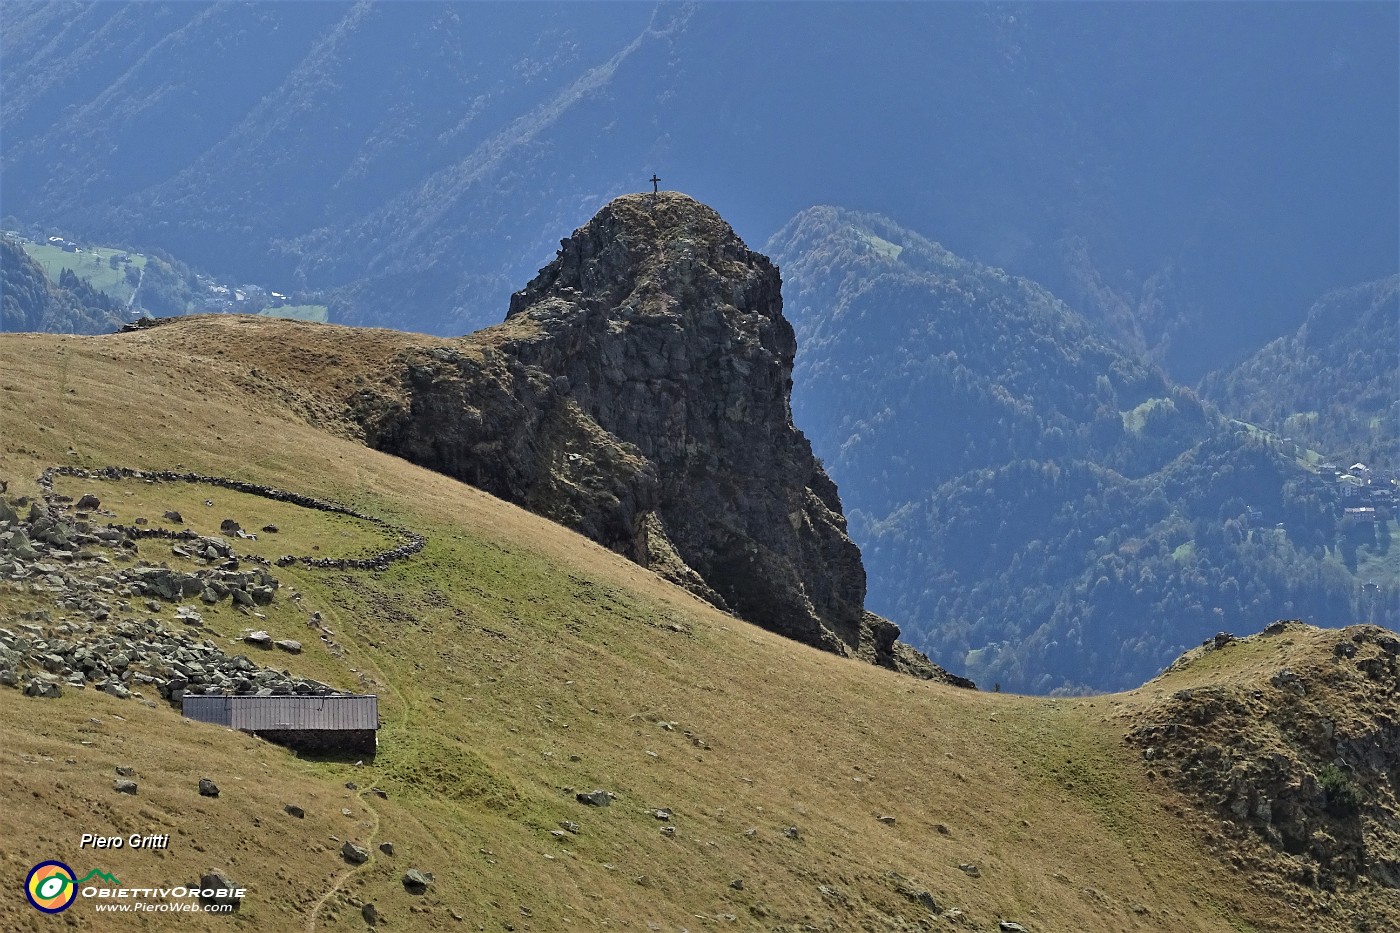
[1045,509]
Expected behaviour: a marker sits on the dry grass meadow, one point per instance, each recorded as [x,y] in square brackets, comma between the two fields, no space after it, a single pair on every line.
[516,661]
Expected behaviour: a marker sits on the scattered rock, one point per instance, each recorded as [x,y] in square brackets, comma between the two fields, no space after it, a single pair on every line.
[792,832]
[87,503]
[1006,926]
[972,871]
[887,820]
[596,798]
[270,529]
[571,826]
[126,771]
[295,810]
[415,882]
[174,516]
[122,786]
[387,848]
[737,884]
[216,888]
[289,645]
[45,689]
[208,788]
[369,914]
[228,526]
[259,638]
[355,855]
[914,892]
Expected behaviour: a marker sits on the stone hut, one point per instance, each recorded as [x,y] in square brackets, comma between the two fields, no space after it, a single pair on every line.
[345,722]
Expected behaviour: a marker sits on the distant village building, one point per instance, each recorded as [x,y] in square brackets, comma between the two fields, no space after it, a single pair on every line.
[345,722]
[1361,471]
[1363,513]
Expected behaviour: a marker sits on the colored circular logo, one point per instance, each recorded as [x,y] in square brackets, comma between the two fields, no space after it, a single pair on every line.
[50,887]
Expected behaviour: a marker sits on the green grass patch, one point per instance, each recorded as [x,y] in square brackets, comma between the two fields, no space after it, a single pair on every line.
[297,312]
[92,264]
[883,247]
[1382,561]
[301,531]
[1135,419]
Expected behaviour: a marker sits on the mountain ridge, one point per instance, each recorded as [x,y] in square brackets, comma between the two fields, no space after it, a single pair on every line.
[1038,505]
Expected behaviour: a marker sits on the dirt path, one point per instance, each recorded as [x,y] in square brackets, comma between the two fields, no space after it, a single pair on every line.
[350,870]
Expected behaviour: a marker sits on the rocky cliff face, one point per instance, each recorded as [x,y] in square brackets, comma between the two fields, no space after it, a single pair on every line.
[638,392]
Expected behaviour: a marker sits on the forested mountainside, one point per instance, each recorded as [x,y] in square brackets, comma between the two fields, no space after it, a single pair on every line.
[1038,506]
[30,301]
[1333,386]
[420,159]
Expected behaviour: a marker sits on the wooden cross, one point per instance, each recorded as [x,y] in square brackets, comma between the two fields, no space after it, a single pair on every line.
[654,182]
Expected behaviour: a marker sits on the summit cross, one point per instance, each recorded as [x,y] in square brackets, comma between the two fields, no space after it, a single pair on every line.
[654,183]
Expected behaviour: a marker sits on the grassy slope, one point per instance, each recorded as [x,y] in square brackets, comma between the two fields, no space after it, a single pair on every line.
[90,264]
[510,646]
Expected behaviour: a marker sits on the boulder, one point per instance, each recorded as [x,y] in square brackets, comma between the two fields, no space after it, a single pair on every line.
[355,855]
[124,786]
[218,889]
[415,882]
[208,788]
[87,503]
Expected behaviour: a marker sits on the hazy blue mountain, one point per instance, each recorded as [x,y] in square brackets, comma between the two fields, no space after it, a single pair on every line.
[1037,505]
[1333,386]
[1181,172]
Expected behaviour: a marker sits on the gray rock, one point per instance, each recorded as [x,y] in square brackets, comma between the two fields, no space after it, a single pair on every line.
[387,848]
[173,516]
[123,786]
[792,832]
[87,503]
[972,871]
[217,888]
[1006,926]
[355,855]
[914,892]
[289,645]
[259,638]
[369,914]
[717,351]
[117,689]
[415,882]
[208,788]
[228,526]
[270,529]
[595,798]
[737,884]
[570,826]
[294,810]
[44,689]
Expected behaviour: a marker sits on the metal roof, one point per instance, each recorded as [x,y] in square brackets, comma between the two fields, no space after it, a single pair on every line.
[255,714]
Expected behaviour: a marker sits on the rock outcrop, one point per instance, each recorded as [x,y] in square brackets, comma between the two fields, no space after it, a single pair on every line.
[638,392]
[1299,764]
